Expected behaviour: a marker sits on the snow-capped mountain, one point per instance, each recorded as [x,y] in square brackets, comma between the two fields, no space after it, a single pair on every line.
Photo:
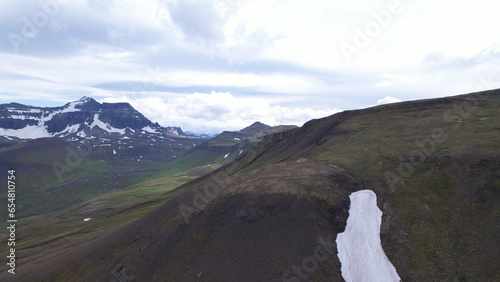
[81,119]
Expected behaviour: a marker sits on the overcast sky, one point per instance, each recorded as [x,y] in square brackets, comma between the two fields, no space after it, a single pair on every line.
[213,65]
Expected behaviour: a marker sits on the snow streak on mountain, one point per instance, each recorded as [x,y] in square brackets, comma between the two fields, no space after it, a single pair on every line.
[81,119]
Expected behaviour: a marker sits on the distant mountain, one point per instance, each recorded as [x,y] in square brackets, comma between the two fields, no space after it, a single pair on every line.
[229,145]
[82,119]
[201,135]
[251,134]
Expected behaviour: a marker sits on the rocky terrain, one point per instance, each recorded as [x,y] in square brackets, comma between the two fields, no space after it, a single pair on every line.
[84,118]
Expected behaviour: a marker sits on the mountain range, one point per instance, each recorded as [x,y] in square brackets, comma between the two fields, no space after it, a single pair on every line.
[265,204]
[84,118]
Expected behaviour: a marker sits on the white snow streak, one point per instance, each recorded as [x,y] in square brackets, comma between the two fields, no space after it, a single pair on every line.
[174,130]
[148,129]
[70,129]
[23,117]
[27,132]
[105,126]
[32,111]
[359,247]
[71,107]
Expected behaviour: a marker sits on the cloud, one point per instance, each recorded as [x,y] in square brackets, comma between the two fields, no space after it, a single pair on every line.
[388,100]
[199,20]
[384,84]
[49,28]
[218,111]
[399,77]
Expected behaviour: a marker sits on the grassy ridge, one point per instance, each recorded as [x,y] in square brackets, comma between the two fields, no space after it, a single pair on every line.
[433,164]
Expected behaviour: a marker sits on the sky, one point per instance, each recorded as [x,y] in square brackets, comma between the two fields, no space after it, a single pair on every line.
[214,65]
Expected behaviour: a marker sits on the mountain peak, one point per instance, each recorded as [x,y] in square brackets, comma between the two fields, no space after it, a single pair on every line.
[258,123]
[84,99]
[255,128]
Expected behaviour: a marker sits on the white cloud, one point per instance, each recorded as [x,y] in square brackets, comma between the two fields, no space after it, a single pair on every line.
[384,84]
[388,100]
[219,111]
[399,77]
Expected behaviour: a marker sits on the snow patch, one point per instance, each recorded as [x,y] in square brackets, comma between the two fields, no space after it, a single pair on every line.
[23,117]
[27,132]
[70,129]
[227,155]
[237,139]
[71,107]
[148,129]
[114,152]
[24,111]
[359,249]
[105,126]
[87,219]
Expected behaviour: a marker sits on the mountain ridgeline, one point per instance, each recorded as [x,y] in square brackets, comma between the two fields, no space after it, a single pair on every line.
[84,118]
[273,212]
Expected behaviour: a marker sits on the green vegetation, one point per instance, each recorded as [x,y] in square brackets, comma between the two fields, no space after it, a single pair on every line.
[107,211]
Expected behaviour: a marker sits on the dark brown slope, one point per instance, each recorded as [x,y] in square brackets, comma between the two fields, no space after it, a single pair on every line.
[256,227]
